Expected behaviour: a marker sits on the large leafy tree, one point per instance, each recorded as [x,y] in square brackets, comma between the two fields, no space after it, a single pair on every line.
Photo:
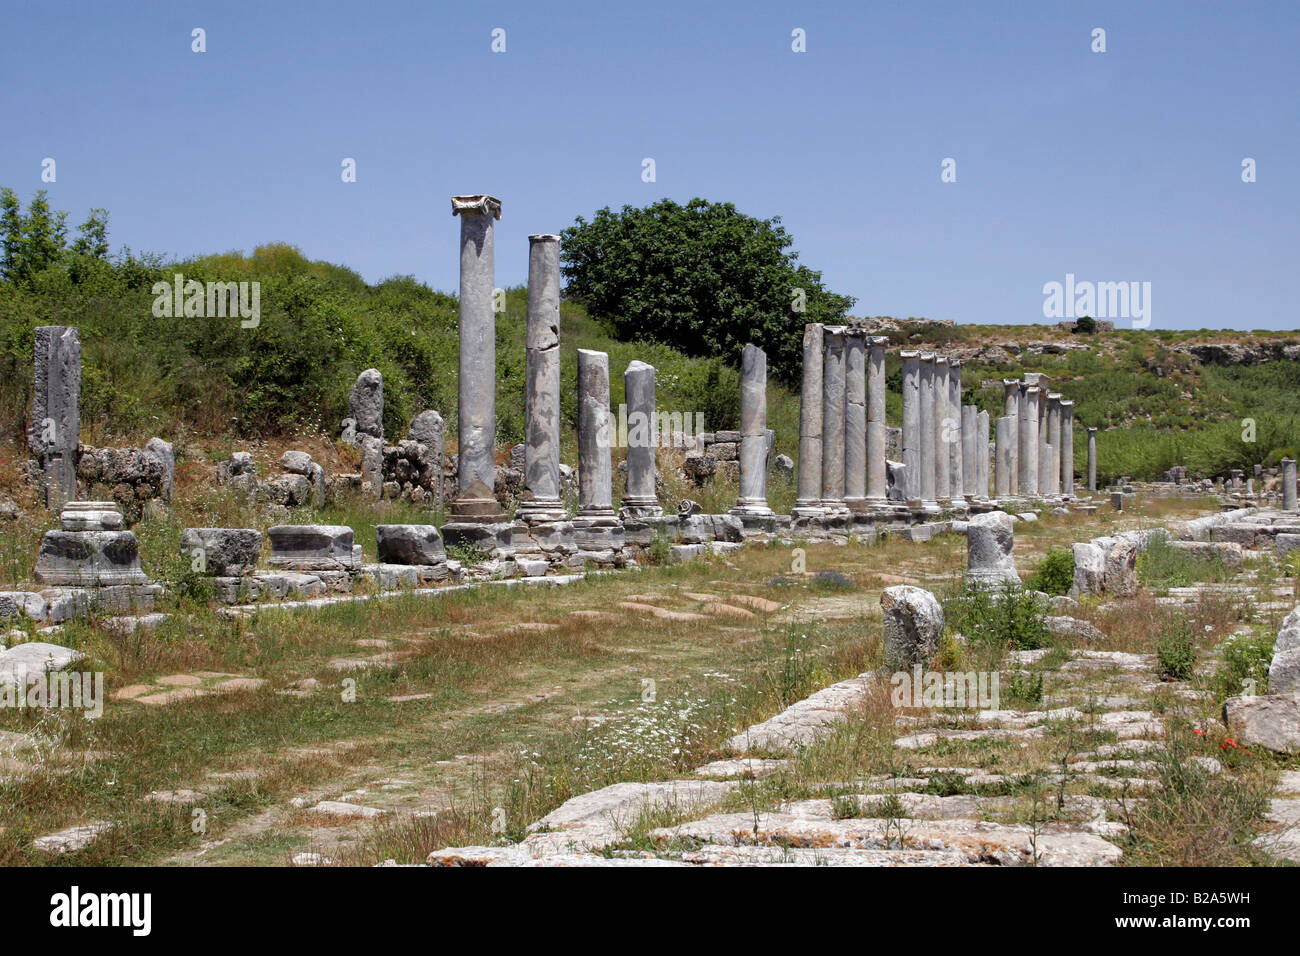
[703,278]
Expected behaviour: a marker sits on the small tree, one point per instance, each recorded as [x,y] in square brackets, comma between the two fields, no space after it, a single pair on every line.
[1086,324]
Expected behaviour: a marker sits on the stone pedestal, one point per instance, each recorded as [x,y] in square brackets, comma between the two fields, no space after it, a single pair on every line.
[1288,484]
[811,410]
[755,441]
[990,544]
[89,549]
[476,408]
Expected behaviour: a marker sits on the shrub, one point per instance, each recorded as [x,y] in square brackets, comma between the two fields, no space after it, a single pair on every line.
[1176,653]
[1056,574]
[1244,658]
[1011,618]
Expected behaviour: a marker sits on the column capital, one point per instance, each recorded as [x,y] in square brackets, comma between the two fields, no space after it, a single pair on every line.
[941,360]
[874,340]
[908,354]
[479,205]
[539,237]
[927,356]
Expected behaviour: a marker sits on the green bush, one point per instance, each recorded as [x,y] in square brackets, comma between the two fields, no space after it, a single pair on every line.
[1243,666]
[1176,653]
[1056,574]
[1010,618]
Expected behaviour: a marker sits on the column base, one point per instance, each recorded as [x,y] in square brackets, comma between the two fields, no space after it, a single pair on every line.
[635,506]
[477,504]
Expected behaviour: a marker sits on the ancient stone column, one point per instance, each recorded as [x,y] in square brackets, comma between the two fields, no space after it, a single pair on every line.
[476,407]
[956,453]
[810,424]
[1005,466]
[926,484]
[1067,448]
[597,531]
[969,450]
[912,389]
[542,383]
[1288,484]
[754,434]
[855,420]
[640,499]
[1043,451]
[595,475]
[876,426]
[982,475]
[1012,411]
[1051,468]
[56,414]
[833,421]
[1028,448]
[942,434]
[1092,459]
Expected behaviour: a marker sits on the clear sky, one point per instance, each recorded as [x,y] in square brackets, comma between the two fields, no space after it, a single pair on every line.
[1117,166]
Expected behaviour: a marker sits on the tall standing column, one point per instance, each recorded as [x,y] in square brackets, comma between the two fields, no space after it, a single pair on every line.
[56,412]
[1288,484]
[1012,411]
[640,500]
[1092,459]
[1041,381]
[476,407]
[811,410]
[911,424]
[753,434]
[927,432]
[956,454]
[855,420]
[982,475]
[942,433]
[1029,440]
[1052,467]
[877,477]
[595,474]
[597,531]
[542,385]
[969,450]
[833,422]
[1067,448]
[1004,466]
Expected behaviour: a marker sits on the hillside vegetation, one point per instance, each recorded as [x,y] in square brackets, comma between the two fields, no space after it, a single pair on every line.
[209,380]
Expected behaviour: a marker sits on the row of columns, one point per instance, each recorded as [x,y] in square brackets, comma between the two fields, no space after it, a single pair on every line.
[945,443]
[841,422]
[1035,441]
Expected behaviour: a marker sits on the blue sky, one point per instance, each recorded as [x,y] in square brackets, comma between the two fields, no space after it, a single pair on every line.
[1115,166]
